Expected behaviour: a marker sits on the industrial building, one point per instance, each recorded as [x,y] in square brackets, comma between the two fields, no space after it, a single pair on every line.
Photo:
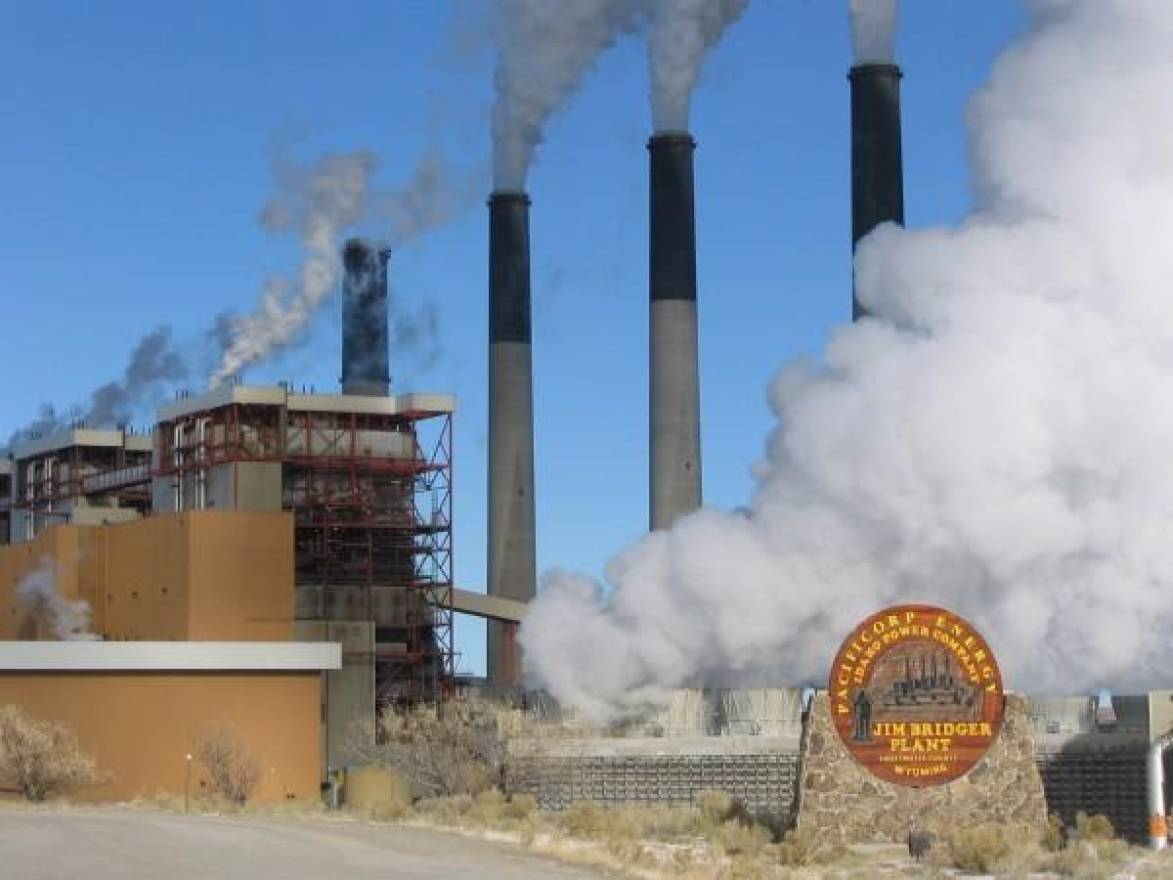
[366,478]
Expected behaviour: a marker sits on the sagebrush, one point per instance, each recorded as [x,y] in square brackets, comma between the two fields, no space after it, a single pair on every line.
[233,769]
[41,758]
[455,748]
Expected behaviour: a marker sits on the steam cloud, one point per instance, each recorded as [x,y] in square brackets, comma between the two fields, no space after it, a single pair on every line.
[67,619]
[319,203]
[995,440]
[873,30]
[680,34]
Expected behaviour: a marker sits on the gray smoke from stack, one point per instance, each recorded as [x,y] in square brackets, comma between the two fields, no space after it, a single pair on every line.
[38,594]
[680,34]
[544,51]
[156,366]
[873,30]
[994,440]
[877,164]
[319,203]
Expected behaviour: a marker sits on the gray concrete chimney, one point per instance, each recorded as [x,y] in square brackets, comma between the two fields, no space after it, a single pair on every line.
[512,546]
[675,454]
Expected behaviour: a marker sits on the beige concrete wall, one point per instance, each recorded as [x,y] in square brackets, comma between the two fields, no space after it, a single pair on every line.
[215,575]
[241,576]
[140,726]
[145,581]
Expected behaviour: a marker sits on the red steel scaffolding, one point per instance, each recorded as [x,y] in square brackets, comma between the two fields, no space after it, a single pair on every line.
[371,495]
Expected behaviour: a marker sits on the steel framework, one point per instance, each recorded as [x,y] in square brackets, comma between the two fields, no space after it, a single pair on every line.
[371,496]
[42,482]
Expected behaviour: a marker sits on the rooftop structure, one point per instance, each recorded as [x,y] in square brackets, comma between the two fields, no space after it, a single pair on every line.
[79,475]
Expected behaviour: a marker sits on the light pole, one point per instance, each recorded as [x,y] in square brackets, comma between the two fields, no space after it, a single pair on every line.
[187,784]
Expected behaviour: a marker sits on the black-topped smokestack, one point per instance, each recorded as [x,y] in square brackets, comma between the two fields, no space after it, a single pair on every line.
[512,555]
[364,319]
[877,171]
[675,454]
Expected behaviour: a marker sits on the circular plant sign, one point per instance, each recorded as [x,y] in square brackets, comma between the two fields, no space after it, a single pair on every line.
[916,695]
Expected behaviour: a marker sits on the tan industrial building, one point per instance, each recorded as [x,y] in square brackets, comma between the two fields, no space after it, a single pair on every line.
[192,624]
[202,575]
[141,708]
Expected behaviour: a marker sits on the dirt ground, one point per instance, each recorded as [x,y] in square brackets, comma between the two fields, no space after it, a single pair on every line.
[108,844]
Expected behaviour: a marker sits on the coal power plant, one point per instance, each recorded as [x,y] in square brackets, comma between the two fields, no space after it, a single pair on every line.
[266,538]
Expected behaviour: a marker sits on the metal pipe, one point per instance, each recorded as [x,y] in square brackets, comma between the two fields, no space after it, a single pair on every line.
[1158,822]
[674,404]
[512,561]
[877,166]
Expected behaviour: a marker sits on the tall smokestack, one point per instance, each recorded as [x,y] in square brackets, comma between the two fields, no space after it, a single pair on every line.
[364,319]
[512,562]
[877,174]
[675,396]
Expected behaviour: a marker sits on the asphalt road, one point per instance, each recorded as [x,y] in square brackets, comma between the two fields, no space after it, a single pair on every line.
[115,844]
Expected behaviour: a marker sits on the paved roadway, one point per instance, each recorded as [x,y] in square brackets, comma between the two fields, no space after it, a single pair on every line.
[116,844]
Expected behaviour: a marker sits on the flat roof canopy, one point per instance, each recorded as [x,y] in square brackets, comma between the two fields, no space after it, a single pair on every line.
[176,656]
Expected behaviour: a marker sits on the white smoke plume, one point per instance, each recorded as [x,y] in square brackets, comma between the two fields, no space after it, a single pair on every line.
[873,30]
[680,34]
[544,51]
[67,619]
[321,202]
[995,440]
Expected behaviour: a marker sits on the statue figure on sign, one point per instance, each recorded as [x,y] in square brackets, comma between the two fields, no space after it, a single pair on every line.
[862,715]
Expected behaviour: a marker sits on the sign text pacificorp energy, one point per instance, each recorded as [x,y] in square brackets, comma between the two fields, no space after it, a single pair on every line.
[916,695]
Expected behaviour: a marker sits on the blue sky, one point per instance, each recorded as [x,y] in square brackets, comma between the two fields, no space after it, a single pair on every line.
[135,159]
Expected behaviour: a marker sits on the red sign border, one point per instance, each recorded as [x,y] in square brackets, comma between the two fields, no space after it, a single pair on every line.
[868,756]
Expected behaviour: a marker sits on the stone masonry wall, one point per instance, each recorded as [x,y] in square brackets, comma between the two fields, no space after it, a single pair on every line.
[844,802]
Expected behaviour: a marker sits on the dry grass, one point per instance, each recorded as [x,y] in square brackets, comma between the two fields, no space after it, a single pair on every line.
[715,841]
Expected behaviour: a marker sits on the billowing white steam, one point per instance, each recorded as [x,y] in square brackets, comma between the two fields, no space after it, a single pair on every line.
[680,33]
[320,203]
[873,31]
[545,49]
[67,619]
[996,440]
